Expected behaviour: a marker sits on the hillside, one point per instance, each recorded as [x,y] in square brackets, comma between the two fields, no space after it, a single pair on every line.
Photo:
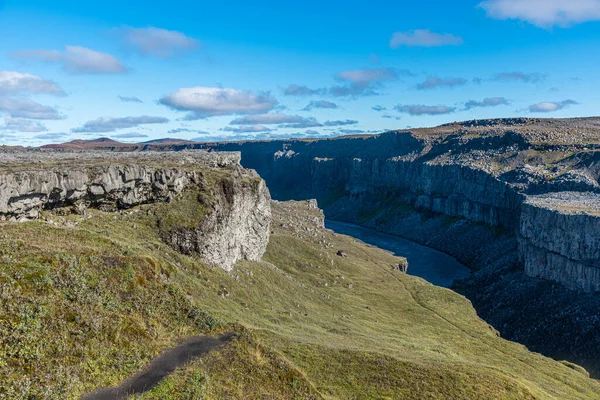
[90,300]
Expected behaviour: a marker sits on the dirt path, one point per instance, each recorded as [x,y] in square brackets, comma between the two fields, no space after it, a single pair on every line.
[161,367]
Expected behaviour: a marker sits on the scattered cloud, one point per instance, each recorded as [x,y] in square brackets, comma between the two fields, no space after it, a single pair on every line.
[351,131]
[298,90]
[12,82]
[247,129]
[320,104]
[519,77]
[379,108]
[434,82]
[545,107]
[367,76]
[75,60]
[340,123]
[544,13]
[303,123]
[203,102]
[54,137]
[132,99]
[359,82]
[419,109]
[157,42]
[185,130]
[387,116]
[487,102]
[424,38]
[26,108]
[130,135]
[110,124]
[363,82]
[21,125]
[266,119]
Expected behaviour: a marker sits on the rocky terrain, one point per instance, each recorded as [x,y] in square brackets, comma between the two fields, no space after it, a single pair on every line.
[514,199]
[108,308]
[518,193]
[229,205]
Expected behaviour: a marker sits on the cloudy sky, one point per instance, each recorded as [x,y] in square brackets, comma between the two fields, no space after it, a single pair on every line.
[232,69]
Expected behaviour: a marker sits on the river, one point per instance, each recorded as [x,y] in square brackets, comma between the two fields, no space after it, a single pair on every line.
[432,265]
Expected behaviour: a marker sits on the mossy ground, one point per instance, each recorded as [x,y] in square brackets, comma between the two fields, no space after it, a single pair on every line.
[85,307]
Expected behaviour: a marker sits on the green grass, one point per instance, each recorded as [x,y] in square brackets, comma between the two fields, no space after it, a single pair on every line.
[83,308]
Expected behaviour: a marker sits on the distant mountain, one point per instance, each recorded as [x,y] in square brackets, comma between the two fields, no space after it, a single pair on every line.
[80,144]
[170,141]
[110,144]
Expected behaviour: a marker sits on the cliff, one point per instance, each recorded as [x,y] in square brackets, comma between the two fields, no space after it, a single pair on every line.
[479,171]
[223,210]
[559,239]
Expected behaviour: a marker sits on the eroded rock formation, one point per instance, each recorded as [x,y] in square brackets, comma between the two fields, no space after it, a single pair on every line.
[233,226]
[486,172]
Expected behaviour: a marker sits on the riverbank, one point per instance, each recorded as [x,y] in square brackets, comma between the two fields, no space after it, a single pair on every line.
[432,265]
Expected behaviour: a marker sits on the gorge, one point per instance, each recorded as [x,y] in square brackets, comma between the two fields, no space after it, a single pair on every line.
[514,199]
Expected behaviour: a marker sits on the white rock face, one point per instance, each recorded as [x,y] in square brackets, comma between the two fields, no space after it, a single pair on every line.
[238,228]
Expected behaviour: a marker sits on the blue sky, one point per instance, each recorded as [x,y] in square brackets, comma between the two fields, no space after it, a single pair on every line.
[142,70]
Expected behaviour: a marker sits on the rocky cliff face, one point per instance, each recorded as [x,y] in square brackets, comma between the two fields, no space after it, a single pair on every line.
[236,227]
[482,172]
[560,239]
[233,224]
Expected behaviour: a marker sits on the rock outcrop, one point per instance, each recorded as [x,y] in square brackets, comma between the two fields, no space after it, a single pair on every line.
[560,239]
[237,226]
[233,226]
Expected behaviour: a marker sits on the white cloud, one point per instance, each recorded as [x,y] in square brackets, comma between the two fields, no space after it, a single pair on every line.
[519,76]
[424,38]
[12,82]
[303,123]
[544,13]
[547,106]
[340,122]
[368,76]
[158,42]
[130,135]
[75,60]
[247,129]
[21,125]
[434,82]
[26,108]
[487,102]
[298,90]
[54,137]
[111,124]
[266,119]
[419,109]
[204,102]
[320,104]
[130,99]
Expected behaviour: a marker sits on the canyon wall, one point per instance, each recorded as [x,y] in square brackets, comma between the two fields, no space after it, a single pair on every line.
[487,180]
[229,205]
[560,239]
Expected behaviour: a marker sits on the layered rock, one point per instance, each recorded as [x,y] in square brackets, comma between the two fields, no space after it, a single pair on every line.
[237,226]
[480,171]
[31,182]
[232,226]
[560,239]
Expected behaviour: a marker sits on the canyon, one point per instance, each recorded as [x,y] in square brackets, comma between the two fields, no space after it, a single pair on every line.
[514,199]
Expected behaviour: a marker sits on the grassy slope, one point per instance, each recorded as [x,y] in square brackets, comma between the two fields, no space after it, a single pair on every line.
[84,307]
